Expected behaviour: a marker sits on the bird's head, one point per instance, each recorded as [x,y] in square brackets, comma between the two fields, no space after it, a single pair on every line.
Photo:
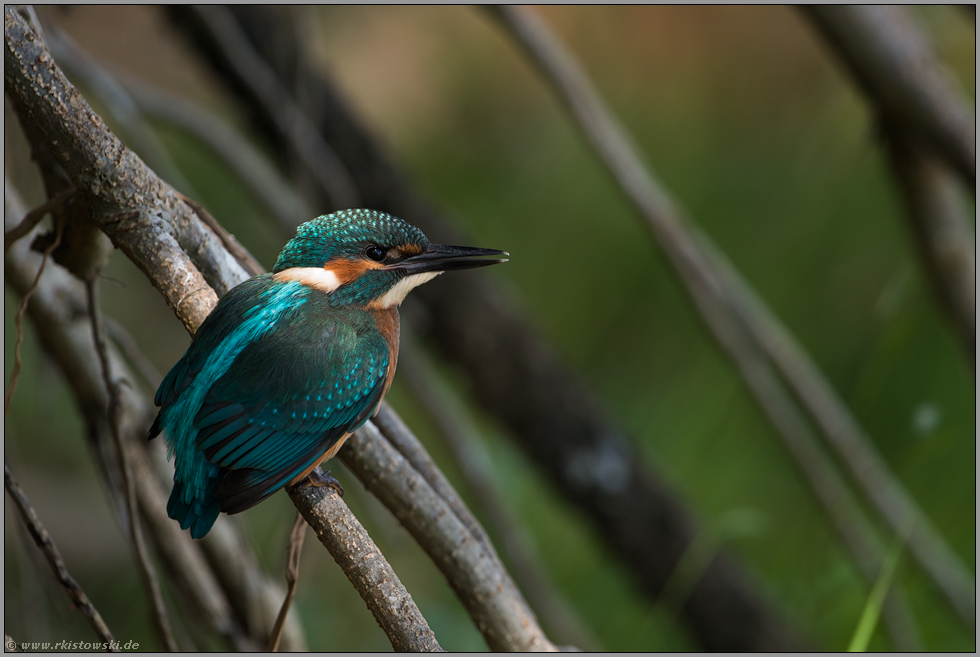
[369,258]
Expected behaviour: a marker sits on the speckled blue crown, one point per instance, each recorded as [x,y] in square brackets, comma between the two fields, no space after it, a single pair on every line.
[345,234]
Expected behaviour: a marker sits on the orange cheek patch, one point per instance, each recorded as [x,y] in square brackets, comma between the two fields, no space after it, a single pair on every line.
[350,270]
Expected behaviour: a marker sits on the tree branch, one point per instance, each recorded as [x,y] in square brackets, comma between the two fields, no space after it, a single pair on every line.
[942,234]
[479,581]
[357,555]
[461,437]
[896,66]
[906,85]
[53,555]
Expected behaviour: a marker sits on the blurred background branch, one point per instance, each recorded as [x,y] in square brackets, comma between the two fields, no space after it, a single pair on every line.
[930,130]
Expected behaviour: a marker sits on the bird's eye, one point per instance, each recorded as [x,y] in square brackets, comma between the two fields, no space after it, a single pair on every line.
[376,253]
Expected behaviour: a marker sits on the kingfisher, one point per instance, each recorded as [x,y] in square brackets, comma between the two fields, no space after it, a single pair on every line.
[290,363]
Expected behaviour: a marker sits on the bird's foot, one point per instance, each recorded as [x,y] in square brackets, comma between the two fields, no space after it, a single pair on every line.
[319,478]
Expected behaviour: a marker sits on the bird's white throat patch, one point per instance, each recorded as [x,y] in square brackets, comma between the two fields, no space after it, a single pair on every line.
[400,290]
[318,278]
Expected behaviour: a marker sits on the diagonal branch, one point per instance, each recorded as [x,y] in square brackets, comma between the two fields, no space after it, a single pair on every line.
[897,67]
[53,555]
[479,581]
[722,297]
[911,94]
[357,555]
[458,433]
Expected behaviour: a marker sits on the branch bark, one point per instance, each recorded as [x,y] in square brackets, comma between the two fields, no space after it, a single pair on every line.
[357,555]
[479,581]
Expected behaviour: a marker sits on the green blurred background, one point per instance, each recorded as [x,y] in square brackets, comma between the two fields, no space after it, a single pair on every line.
[765,142]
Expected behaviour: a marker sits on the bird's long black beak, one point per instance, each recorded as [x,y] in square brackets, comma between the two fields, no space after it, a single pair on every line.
[441,257]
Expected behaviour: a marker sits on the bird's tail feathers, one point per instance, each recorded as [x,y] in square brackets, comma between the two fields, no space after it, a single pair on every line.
[196,515]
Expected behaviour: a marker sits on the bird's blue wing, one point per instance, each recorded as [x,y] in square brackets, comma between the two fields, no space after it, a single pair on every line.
[225,318]
[286,399]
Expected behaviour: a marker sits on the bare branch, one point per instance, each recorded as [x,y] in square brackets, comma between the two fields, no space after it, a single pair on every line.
[294,553]
[241,255]
[895,64]
[361,560]
[721,298]
[51,553]
[33,217]
[112,386]
[19,318]
[942,233]
[479,581]
[126,207]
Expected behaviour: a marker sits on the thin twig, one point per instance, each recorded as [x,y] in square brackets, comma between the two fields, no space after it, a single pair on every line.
[19,318]
[131,350]
[703,271]
[33,217]
[147,571]
[943,237]
[361,560]
[294,553]
[53,555]
[234,247]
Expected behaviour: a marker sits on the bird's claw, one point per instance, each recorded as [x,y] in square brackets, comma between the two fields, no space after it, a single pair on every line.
[319,478]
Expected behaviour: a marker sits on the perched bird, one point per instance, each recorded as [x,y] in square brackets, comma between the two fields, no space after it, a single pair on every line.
[288,364]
